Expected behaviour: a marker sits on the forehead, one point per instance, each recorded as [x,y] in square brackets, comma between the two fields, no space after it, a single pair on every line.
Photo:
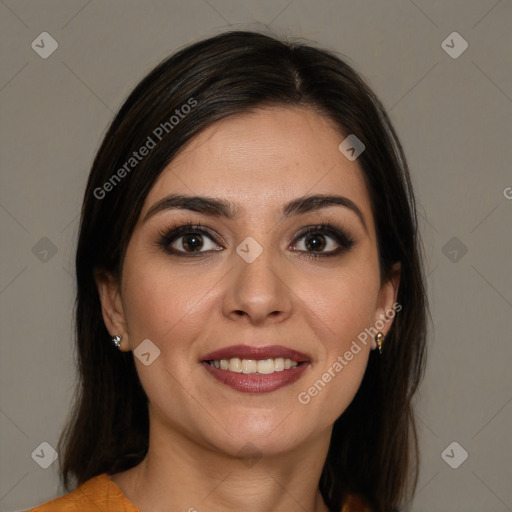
[263,159]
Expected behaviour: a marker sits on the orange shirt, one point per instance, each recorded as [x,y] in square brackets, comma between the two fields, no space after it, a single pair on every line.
[102,494]
[96,494]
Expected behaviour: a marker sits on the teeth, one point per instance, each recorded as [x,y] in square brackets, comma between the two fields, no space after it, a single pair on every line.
[266,366]
[252,366]
[249,366]
[235,365]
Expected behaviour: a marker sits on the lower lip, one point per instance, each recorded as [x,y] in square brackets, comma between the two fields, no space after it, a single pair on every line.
[256,383]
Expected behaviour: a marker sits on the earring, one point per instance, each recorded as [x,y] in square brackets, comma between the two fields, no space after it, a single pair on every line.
[379,338]
[116,340]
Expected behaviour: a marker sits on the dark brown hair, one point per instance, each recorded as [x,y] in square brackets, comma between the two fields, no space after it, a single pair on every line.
[373,449]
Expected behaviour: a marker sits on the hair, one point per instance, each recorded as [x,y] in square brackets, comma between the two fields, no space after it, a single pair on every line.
[374,447]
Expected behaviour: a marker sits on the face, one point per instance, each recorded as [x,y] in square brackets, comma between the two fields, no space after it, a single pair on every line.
[274,289]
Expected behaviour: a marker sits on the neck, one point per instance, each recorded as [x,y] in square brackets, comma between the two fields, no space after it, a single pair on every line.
[179,474]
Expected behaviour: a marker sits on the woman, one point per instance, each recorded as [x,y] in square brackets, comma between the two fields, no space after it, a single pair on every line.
[251,306]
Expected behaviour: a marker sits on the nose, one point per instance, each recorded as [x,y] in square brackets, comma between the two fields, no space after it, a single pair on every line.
[259,290]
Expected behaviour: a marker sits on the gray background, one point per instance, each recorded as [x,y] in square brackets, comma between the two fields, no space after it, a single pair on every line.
[453,116]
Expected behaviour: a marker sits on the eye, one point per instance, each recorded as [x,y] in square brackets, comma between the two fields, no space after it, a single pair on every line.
[323,240]
[190,240]
[187,240]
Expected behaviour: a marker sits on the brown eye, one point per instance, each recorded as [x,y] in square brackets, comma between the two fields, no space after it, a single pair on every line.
[323,240]
[192,242]
[318,242]
[187,240]
[315,242]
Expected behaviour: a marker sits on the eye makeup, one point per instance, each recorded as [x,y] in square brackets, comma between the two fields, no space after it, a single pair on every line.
[193,236]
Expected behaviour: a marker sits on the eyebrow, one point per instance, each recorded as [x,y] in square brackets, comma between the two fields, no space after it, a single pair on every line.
[221,208]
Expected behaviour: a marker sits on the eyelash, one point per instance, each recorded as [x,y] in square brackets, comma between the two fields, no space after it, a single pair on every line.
[169,235]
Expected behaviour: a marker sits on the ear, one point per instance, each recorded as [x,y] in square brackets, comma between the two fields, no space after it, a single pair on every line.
[387,306]
[111,305]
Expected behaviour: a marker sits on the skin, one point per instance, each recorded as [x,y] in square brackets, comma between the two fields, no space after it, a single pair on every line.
[202,432]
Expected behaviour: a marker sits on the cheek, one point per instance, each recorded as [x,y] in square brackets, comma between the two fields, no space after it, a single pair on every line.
[342,309]
[167,310]
[159,305]
[345,303]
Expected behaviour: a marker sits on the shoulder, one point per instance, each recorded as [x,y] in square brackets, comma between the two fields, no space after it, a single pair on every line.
[97,493]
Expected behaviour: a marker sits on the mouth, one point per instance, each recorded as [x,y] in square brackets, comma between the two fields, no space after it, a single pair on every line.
[256,369]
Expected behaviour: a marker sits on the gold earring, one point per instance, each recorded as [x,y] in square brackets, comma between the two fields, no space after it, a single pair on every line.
[379,338]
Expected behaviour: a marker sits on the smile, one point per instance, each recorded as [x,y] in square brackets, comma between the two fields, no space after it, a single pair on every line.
[256,369]
[252,366]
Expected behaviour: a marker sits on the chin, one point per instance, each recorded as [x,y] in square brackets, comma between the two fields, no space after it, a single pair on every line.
[253,435]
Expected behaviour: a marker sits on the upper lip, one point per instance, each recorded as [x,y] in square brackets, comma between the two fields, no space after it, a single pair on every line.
[258,353]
